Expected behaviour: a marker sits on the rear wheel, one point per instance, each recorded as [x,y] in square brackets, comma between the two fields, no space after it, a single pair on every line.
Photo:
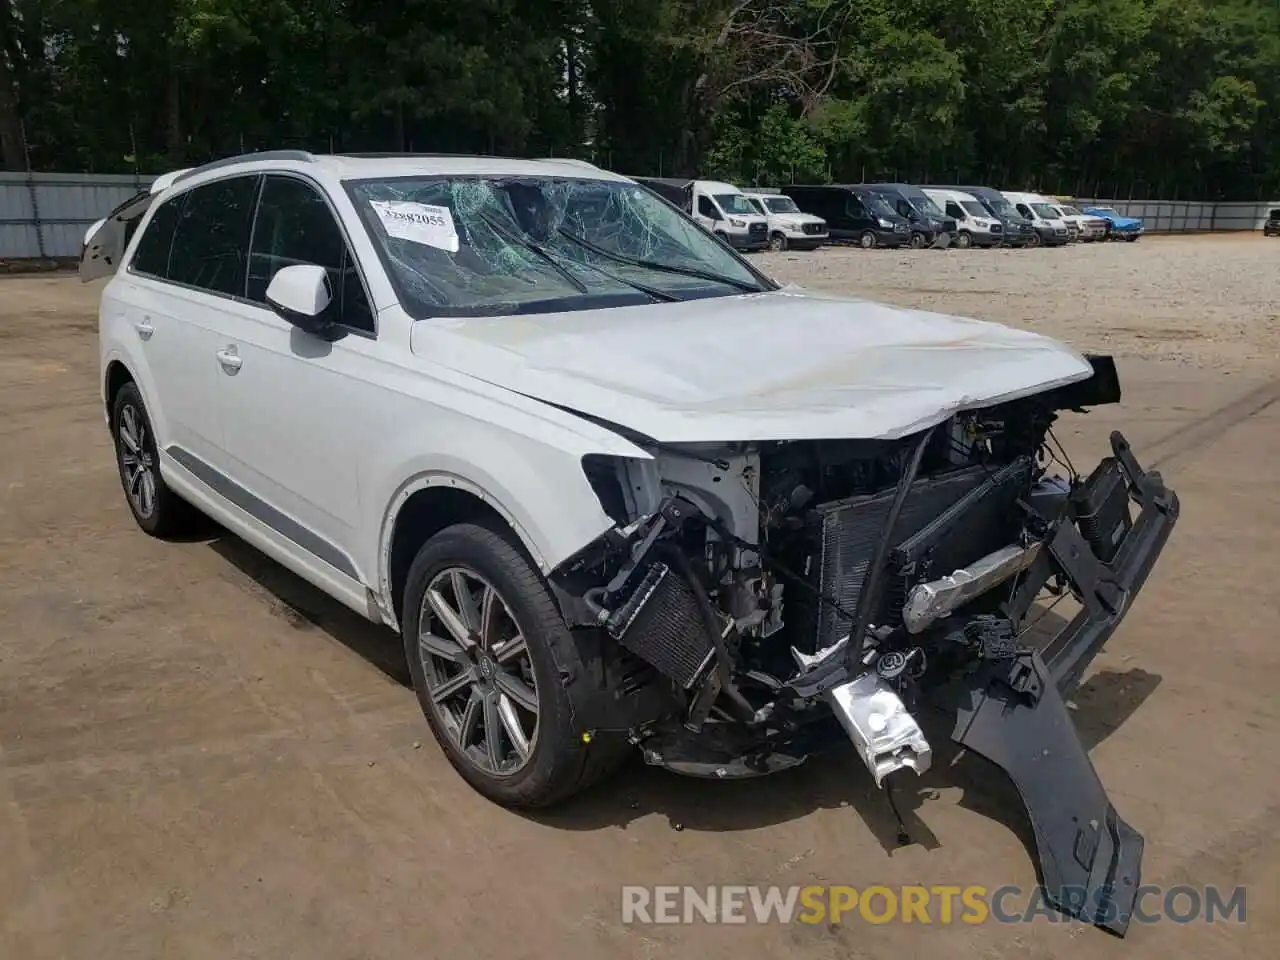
[868,240]
[157,509]
[497,671]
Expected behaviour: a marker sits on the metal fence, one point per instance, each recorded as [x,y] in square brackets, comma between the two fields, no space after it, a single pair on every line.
[1178,216]
[44,216]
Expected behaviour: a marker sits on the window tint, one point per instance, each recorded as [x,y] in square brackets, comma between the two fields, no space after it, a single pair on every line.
[707,209]
[152,255]
[295,225]
[953,210]
[210,244]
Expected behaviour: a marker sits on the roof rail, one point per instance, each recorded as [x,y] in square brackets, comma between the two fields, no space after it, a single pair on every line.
[572,161]
[301,155]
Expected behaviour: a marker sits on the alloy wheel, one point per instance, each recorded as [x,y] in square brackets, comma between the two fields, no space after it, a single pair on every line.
[478,671]
[137,460]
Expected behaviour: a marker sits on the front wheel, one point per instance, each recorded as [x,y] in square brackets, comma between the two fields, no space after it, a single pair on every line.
[777,242]
[496,670]
[964,240]
[917,241]
[1034,240]
[868,240]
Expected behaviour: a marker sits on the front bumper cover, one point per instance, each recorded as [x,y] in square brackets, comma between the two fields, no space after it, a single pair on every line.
[1015,715]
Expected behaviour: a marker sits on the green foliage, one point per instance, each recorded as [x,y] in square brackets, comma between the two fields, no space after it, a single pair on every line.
[1180,97]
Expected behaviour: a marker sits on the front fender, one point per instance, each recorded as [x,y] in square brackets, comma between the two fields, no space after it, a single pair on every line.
[538,487]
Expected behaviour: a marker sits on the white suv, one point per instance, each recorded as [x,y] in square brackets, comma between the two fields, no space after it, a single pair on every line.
[611,484]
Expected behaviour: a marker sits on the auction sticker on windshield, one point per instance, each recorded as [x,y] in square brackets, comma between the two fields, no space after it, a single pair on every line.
[418,223]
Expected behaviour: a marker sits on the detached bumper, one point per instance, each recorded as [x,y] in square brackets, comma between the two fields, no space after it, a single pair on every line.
[1014,713]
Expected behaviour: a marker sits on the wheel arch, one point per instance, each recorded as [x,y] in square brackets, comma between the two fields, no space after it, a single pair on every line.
[116,375]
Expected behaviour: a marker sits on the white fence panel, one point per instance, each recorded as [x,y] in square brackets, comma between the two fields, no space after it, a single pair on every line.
[45,215]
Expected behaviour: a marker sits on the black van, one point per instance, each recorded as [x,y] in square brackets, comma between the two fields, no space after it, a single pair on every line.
[1018,230]
[853,214]
[928,222]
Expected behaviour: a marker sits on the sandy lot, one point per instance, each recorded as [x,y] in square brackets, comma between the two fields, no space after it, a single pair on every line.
[202,757]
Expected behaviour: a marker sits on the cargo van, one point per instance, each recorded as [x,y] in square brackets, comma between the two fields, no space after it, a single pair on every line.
[929,225]
[1018,231]
[853,214]
[720,207]
[1050,228]
[975,225]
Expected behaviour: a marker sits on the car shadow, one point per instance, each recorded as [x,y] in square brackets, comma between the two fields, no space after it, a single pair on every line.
[832,779]
[305,607]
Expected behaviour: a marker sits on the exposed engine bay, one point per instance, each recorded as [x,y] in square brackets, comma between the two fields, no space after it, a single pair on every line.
[752,592]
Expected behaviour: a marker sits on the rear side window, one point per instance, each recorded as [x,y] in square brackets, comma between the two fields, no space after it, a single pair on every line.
[152,255]
[211,243]
[295,225]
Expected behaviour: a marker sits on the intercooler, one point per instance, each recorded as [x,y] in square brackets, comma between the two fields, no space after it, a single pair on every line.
[946,522]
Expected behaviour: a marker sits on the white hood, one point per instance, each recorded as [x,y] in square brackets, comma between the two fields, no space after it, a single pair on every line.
[785,365]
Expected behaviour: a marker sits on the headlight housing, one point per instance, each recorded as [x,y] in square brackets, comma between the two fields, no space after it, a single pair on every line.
[734,222]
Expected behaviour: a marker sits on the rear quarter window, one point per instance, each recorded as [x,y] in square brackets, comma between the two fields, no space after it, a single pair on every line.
[152,255]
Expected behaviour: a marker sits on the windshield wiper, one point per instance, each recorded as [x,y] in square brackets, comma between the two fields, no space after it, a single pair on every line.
[510,237]
[663,267]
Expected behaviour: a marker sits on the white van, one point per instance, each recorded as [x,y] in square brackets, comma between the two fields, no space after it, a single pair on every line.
[975,226]
[790,228]
[720,207]
[1044,216]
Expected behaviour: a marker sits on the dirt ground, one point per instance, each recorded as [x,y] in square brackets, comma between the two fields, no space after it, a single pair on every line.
[202,757]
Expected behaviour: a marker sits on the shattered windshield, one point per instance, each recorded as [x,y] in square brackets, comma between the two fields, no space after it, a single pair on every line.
[1072,211]
[974,208]
[1045,210]
[734,203]
[1003,208]
[759,207]
[782,205]
[480,246]
[878,206]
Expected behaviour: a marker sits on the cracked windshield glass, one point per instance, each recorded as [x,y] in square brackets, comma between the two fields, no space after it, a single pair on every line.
[480,246]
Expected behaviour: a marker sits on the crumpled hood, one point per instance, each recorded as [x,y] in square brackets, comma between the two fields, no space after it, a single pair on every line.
[784,365]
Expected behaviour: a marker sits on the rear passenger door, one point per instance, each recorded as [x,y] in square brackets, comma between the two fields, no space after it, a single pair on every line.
[187,268]
[297,409]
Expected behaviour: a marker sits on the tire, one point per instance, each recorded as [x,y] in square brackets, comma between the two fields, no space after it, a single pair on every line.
[868,240]
[1035,240]
[497,682]
[917,241]
[778,242]
[1130,239]
[964,240]
[156,509]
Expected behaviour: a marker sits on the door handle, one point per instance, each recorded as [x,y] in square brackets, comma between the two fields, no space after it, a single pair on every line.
[229,359]
[144,328]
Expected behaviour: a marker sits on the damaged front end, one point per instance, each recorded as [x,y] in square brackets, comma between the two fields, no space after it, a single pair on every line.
[751,592]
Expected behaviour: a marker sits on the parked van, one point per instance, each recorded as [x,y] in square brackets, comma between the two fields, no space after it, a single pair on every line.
[1051,230]
[975,226]
[1018,231]
[789,227]
[720,207]
[853,214]
[929,225]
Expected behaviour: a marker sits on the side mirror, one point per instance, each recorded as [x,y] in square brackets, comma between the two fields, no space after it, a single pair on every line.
[301,295]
